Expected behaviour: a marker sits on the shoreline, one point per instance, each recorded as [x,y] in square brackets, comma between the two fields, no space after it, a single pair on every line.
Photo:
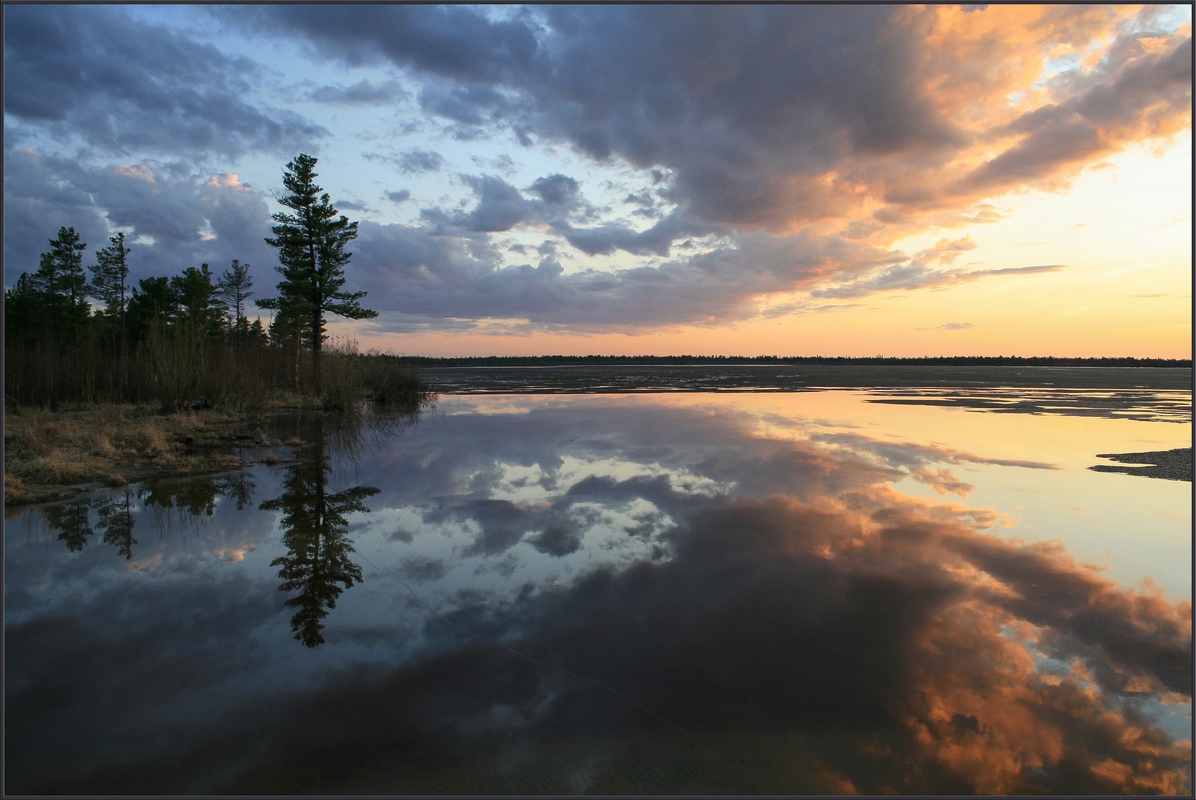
[56,455]
[1171,465]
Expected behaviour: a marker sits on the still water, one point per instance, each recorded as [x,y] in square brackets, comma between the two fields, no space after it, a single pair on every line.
[734,593]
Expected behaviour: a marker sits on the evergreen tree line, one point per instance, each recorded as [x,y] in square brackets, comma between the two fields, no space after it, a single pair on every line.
[177,339]
[186,340]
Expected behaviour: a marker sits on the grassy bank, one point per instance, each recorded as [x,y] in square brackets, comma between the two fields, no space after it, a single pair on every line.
[52,454]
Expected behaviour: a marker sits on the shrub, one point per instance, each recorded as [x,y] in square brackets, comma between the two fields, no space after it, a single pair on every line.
[388,381]
[177,360]
[340,376]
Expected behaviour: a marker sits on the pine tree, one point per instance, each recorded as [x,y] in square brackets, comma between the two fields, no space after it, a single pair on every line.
[152,303]
[109,279]
[62,285]
[234,288]
[199,300]
[24,312]
[311,248]
[109,284]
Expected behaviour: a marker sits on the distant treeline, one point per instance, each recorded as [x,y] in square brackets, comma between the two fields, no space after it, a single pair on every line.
[682,360]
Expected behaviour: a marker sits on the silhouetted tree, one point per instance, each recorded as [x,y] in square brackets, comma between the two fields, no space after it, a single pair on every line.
[311,248]
[234,288]
[152,302]
[24,312]
[61,283]
[199,300]
[109,285]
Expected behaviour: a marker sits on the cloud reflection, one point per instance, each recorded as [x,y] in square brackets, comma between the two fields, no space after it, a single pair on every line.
[913,642]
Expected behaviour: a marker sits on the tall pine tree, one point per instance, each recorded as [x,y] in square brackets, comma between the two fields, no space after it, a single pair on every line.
[311,242]
[234,288]
[61,283]
[109,284]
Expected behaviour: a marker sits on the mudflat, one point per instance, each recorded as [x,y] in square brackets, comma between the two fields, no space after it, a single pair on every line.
[1172,465]
[792,377]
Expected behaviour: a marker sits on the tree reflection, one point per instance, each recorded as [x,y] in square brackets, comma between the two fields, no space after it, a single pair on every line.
[116,521]
[174,503]
[70,521]
[314,522]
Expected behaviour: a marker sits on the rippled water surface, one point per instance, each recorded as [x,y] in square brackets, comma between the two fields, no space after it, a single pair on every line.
[731,593]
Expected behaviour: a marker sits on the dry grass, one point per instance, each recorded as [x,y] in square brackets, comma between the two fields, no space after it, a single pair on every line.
[108,443]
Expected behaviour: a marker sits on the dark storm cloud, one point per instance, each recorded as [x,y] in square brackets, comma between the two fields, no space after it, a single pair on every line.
[556,540]
[125,86]
[464,104]
[501,206]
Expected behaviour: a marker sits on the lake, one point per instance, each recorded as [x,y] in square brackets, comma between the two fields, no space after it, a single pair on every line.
[731,585]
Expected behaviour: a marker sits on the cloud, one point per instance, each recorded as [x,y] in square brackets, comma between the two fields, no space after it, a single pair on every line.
[918,276]
[556,189]
[128,87]
[411,162]
[362,93]
[777,149]
[418,271]
[416,161]
[1138,94]
[172,216]
[766,117]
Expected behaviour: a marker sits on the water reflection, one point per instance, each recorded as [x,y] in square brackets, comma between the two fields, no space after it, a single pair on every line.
[175,504]
[314,525]
[626,595]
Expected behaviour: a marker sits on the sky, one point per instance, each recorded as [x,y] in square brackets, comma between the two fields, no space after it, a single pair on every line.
[619,179]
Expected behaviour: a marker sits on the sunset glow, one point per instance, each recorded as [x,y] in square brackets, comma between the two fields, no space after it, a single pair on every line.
[842,180]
